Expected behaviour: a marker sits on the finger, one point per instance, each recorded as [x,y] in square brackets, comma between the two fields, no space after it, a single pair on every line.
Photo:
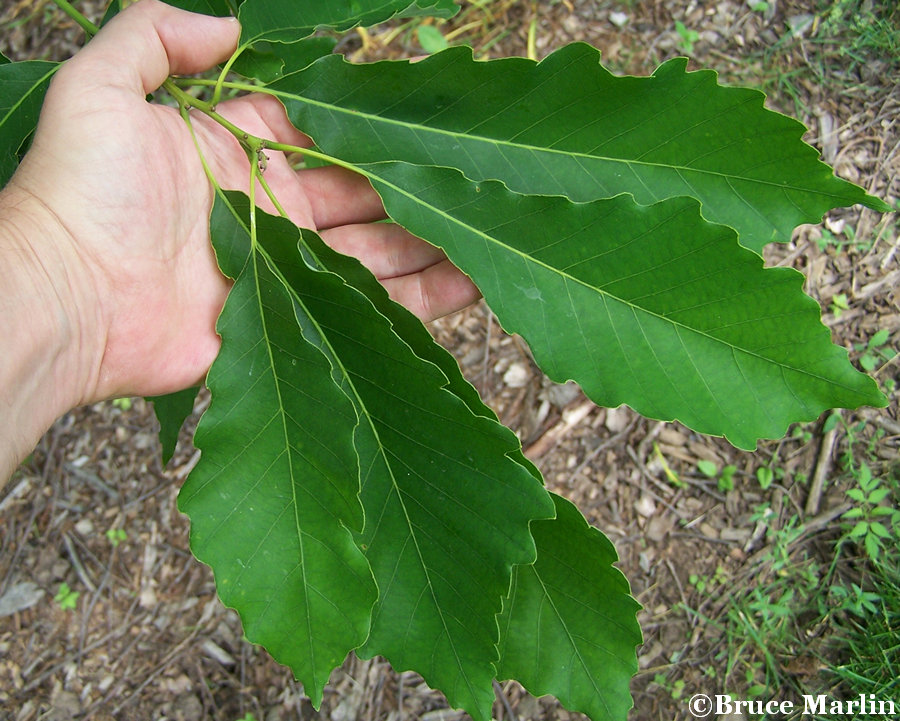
[437,291]
[386,249]
[150,40]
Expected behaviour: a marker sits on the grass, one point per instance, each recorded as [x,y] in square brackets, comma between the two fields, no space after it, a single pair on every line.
[814,615]
[845,45]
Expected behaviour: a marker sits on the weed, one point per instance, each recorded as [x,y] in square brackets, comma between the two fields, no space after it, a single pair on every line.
[686,37]
[839,304]
[711,470]
[116,536]
[876,351]
[674,688]
[870,639]
[873,521]
[66,598]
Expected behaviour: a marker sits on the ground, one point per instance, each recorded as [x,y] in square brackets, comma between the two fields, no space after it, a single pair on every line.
[732,595]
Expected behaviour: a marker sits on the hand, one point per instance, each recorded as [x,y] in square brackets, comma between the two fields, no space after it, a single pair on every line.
[122,180]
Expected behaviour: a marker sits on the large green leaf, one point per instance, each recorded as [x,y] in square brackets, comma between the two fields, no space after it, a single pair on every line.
[275,495]
[22,89]
[447,508]
[646,305]
[568,126]
[291,20]
[412,331]
[568,627]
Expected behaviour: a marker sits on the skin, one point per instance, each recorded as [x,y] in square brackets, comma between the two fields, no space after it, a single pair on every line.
[108,283]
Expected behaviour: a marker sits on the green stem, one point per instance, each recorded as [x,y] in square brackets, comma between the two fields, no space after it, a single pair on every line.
[251,143]
[265,186]
[231,85]
[220,81]
[89,28]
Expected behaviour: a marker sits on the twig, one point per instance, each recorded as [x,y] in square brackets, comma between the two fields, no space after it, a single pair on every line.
[692,621]
[119,631]
[171,656]
[501,694]
[823,466]
[80,570]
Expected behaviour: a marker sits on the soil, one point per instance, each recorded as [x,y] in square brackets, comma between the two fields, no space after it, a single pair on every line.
[148,639]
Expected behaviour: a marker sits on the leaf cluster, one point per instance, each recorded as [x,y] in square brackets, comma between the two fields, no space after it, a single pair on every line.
[354,493]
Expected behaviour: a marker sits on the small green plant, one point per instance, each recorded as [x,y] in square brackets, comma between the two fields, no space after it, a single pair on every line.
[765,475]
[725,480]
[874,519]
[116,536]
[868,640]
[431,39]
[675,689]
[839,304]
[876,351]
[66,598]
[855,600]
[122,403]
[705,584]
[686,37]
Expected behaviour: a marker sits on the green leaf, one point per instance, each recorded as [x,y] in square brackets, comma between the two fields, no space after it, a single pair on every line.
[3,59]
[649,306]
[568,627]
[879,338]
[857,495]
[274,497]
[22,89]
[292,20]
[447,509]
[219,8]
[171,411]
[270,61]
[568,126]
[431,39]
[707,468]
[878,495]
[411,330]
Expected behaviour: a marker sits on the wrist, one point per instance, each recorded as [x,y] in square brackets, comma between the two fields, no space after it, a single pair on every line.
[52,339]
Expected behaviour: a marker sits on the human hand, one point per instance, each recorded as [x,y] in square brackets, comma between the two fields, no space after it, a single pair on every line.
[118,186]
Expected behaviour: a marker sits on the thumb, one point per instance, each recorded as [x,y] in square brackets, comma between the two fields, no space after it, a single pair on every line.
[150,40]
